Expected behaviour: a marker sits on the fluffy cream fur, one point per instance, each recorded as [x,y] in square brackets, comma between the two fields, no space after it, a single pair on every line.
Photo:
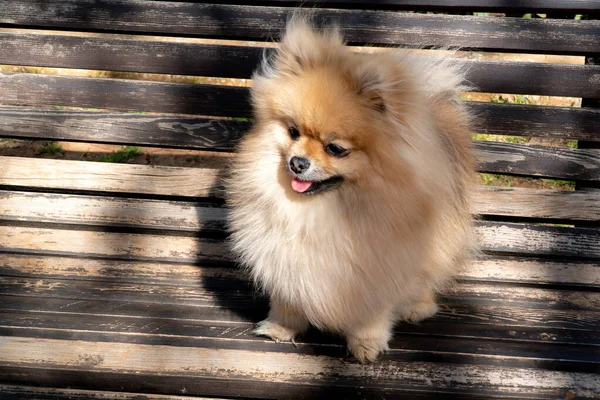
[377,248]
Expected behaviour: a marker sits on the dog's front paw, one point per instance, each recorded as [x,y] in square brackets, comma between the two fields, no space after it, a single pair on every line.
[367,349]
[275,331]
[420,311]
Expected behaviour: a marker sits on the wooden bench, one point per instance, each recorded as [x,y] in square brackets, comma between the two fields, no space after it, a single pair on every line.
[115,278]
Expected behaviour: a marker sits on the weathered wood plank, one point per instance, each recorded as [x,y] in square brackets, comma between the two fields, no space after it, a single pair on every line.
[193,217]
[122,245]
[239,62]
[95,176]
[527,120]
[125,128]
[110,211]
[260,23]
[183,362]
[218,134]
[207,182]
[11,392]
[569,6]
[532,271]
[453,311]
[209,293]
[546,162]
[123,94]
[537,240]
[548,354]
[40,323]
[490,268]
[537,203]
[496,237]
[184,98]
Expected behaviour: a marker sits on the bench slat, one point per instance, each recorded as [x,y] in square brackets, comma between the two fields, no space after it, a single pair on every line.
[496,237]
[229,101]
[123,94]
[402,347]
[215,295]
[239,62]
[264,23]
[213,324]
[10,392]
[489,269]
[544,162]
[537,203]
[217,134]
[122,178]
[569,326]
[570,6]
[96,211]
[207,182]
[183,362]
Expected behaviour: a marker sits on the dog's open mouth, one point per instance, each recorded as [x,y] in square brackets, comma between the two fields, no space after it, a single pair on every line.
[314,187]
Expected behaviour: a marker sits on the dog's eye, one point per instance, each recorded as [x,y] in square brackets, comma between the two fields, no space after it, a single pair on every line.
[336,150]
[294,132]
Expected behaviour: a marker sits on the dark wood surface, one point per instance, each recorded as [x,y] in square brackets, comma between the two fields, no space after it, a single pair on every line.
[265,23]
[239,62]
[569,6]
[217,134]
[116,280]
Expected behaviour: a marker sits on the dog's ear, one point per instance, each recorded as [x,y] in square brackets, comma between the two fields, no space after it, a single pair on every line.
[302,47]
[367,83]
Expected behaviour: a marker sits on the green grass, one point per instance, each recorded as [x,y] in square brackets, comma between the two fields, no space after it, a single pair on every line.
[121,156]
[573,144]
[560,184]
[496,180]
[50,148]
[500,138]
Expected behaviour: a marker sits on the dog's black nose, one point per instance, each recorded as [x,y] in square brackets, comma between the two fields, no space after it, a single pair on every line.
[299,164]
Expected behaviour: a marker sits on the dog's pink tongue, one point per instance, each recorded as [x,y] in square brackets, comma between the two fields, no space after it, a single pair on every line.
[300,186]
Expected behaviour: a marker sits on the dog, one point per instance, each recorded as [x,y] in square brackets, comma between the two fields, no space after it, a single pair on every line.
[350,198]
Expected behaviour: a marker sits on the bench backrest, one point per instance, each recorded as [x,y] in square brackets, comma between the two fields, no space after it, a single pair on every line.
[186,38]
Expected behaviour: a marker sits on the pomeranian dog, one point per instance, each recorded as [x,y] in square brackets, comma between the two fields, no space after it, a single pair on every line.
[350,197]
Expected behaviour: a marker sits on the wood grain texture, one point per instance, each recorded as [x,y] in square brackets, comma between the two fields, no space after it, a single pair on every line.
[187,216]
[11,392]
[494,237]
[218,134]
[455,311]
[231,101]
[536,240]
[110,244]
[41,323]
[95,176]
[212,292]
[260,23]
[537,203]
[527,120]
[532,271]
[122,128]
[404,346]
[453,5]
[239,62]
[284,367]
[195,182]
[489,269]
[110,212]
[123,94]
[544,162]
